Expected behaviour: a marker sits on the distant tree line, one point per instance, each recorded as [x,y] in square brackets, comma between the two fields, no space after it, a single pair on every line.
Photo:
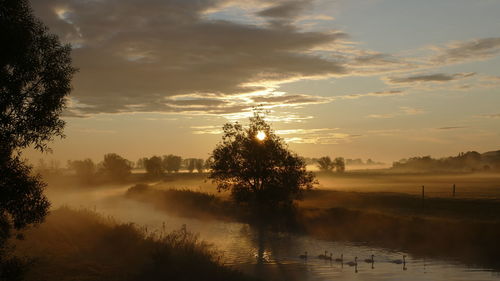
[348,162]
[326,164]
[158,165]
[113,167]
[471,161]
[360,162]
[116,168]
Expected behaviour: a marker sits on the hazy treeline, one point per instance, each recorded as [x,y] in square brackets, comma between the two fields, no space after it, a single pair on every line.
[326,164]
[347,161]
[360,162]
[114,167]
[158,165]
[471,161]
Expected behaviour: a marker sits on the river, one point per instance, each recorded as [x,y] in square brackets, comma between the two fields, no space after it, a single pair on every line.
[272,255]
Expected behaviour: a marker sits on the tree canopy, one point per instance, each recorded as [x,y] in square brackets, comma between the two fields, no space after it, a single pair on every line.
[85,170]
[172,163]
[325,164]
[153,166]
[257,166]
[116,167]
[35,78]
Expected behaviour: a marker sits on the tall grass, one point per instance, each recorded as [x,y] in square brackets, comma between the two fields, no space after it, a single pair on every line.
[82,245]
[183,202]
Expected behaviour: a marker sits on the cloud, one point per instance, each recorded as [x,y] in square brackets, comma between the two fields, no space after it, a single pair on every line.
[204,130]
[375,58]
[381,116]
[316,136]
[304,131]
[403,111]
[325,138]
[299,136]
[291,99]
[451,128]
[410,110]
[473,50]
[168,56]
[134,55]
[423,78]
[229,106]
[375,94]
[330,138]
[286,10]
[491,116]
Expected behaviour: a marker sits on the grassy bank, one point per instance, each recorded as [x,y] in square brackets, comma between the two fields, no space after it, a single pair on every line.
[465,230]
[405,204]
[81,245]
[467,241]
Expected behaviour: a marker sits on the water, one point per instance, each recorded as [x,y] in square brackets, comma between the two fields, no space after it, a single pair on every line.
[275,256]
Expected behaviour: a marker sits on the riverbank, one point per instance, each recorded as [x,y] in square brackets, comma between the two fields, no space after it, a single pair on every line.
[82,243]
[463,230]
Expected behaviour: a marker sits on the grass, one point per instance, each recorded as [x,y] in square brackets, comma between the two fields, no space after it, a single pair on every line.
[81,245]
[183,202]
[406,204]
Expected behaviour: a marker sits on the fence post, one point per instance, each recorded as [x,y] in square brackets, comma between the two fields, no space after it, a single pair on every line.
[423,196]
[453,190]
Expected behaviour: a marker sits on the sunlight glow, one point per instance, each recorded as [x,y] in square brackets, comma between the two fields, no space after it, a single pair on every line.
[261,135]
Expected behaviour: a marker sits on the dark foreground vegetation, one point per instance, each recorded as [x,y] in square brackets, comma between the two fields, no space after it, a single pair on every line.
[82,245]
[463,230]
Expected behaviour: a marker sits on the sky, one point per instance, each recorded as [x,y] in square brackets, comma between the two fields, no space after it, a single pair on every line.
[379,79]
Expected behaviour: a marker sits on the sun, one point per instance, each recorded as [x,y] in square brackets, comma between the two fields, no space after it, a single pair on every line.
[261,135]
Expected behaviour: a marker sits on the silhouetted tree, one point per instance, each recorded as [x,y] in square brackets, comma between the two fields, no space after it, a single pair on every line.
[116,167]
[339,164]
[191,163]
[35,78]
[257,166]
[200,165]
[154,166]
[140,163]
[208,163]
[325,164]
[85,170]
[172,163]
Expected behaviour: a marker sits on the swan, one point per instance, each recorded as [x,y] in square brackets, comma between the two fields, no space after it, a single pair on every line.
[341,259]
[403,261]
[353,263]
[370,260]
[322,257]
[304,256]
